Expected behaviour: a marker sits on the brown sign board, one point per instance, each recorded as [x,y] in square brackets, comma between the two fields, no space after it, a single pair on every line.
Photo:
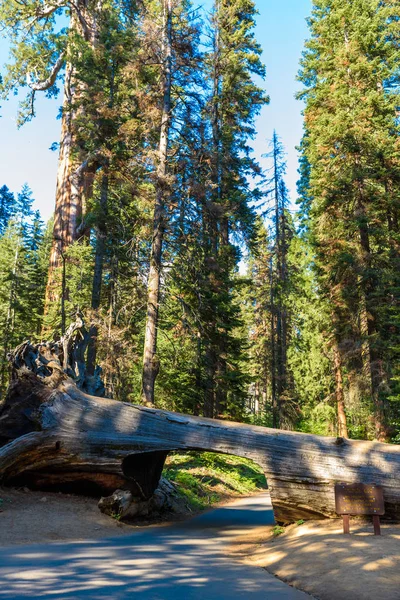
[359,499]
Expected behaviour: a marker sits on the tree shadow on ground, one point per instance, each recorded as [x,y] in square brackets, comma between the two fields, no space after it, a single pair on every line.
[317,558]
[177,563]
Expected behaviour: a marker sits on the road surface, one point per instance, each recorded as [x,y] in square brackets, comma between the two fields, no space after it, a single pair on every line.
[180,562]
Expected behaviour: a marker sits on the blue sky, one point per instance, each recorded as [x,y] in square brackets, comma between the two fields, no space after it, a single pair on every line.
[281,30]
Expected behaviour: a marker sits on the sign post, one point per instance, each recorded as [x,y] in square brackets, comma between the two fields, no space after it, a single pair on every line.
[359,499]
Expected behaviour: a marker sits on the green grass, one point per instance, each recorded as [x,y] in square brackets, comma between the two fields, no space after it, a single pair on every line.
[205,478]
[278,530]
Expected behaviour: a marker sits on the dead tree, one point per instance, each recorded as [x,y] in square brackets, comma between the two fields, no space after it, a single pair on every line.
[55,435]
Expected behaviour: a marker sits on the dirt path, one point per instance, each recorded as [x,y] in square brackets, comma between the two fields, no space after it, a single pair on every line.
[317,558]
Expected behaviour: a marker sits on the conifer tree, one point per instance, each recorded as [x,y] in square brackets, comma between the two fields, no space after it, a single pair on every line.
[150,360]
[257,318]
[44,53]
[349,70]
[157,146]
[23,270]
[234,101]
[279,284]
[7,207]
[177,55]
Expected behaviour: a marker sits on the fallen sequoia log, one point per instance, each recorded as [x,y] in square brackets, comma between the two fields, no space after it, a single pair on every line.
[55,436]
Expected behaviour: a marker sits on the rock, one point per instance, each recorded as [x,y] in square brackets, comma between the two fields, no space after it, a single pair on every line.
[159,500]
[123,505]
[117,504]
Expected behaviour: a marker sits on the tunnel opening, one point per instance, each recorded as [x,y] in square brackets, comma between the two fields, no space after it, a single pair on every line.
[211,478]
[180,484]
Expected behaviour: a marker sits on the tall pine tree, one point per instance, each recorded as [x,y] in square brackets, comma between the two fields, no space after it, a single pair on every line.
[349,70]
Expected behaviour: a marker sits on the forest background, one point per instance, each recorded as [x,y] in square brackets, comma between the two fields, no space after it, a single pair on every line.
[205,291]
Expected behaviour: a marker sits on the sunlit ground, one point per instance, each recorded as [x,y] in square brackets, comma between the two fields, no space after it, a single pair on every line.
[319,559]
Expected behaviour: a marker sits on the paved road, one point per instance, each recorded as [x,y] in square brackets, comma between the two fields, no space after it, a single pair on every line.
[179,562]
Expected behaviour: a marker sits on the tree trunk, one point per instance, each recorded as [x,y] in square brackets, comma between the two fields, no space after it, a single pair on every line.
[64,232]
[283,291]
[275,399]
[101,238]
[342,419]
[372,361]
[256,407]
[150,360]
[280,312]
[69,204]
[54,436]
[210,384]
[217,231]
[208,319]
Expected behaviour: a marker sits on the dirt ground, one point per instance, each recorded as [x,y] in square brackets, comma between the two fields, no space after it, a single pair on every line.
[317,558]
[27,517]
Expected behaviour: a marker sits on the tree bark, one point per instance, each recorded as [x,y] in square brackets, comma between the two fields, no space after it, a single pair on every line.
[341,413]
[150,360]
[275,399]
[63,229]
[101,238]
[69,202]
[54,436]
[371,360]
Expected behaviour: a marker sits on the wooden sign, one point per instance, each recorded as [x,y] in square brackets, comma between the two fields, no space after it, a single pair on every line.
[359,499]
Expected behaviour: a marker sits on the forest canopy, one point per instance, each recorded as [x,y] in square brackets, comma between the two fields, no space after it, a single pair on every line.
[204,290]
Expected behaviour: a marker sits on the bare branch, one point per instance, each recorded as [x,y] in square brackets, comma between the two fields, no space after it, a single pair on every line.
[49,8]
[47,83]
